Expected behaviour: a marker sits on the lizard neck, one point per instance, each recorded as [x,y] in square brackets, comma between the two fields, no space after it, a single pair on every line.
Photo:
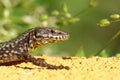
[33,42]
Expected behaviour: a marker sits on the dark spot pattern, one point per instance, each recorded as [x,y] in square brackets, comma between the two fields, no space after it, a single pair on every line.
[19,49]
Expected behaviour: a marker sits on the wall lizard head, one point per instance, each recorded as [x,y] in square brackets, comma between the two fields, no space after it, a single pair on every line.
[50,35]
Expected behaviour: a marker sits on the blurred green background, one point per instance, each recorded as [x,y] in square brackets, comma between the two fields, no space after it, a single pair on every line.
[86,37]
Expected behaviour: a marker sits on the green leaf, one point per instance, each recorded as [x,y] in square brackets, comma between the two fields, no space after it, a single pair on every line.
[65,9]
[117,55]
[104,53]
[80,52]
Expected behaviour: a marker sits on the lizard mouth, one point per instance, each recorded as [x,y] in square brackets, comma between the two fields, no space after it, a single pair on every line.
[54,39]
[61,37]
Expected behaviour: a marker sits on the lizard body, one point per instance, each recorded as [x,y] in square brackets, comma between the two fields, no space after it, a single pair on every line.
[19,49]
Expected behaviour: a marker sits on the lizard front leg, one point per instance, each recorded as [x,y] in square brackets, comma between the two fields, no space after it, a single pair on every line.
[42,63]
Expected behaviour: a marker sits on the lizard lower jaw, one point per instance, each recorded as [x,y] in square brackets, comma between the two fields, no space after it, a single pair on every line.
[63,37]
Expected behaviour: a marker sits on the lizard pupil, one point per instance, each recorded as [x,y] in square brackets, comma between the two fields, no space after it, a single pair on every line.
[52,31]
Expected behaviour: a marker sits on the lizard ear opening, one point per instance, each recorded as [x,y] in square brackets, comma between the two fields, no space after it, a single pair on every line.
[39,33]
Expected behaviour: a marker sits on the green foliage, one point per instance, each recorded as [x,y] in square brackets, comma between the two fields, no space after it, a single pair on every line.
[19,15]
[93,3]
[106,22]
[63,17]
[104,53]
[80,52]
[117,55]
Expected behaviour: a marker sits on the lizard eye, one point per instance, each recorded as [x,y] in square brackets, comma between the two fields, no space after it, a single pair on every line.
[52,31]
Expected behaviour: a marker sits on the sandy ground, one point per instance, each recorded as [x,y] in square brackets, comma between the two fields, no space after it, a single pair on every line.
[94,68]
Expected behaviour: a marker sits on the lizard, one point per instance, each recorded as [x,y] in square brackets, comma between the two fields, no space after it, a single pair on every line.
[20,48]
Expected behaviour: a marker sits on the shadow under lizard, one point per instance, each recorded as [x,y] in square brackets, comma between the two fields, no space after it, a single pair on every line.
[19,49]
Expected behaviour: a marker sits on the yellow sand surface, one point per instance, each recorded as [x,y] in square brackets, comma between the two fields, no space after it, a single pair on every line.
[94,68]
